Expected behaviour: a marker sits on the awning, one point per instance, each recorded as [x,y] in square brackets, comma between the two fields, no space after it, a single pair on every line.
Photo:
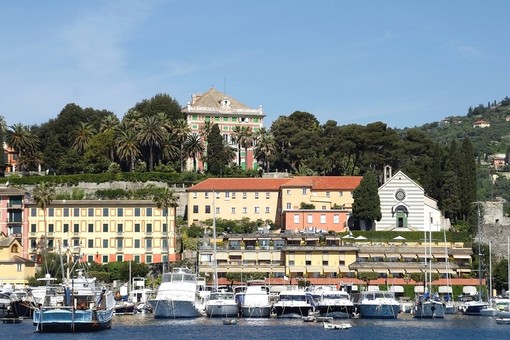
[461,256]
[397,289]
[418,289]
[445,290]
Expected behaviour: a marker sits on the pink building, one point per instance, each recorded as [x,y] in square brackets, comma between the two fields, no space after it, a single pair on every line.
[316,220]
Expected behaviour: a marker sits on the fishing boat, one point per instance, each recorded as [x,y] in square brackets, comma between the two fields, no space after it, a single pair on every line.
[377,305]
[76,306]
[176,296]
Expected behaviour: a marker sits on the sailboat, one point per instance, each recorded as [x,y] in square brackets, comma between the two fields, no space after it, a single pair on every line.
[449,305]
[221,303]
[504,316]
[491,309]
[427,306]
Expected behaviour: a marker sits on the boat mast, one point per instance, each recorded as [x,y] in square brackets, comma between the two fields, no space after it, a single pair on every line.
[479,256]
[215,274]
[490,271]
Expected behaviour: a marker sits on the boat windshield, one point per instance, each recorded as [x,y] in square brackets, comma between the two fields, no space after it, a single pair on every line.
[292,297]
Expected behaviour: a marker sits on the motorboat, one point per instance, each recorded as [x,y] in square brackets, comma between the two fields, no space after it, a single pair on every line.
[76,306]
[330,325]
[333,302]
[377,305]
[255,302]
[293,304]
[176,296]
[221,304]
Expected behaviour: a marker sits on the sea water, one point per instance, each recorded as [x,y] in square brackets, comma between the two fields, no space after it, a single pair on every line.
[145,326]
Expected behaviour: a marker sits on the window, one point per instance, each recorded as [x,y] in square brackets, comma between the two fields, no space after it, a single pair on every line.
[233,195]
[288,206]
[120,212]
[227,195]
[137,258]
[148,227]
[65,243]
[33,228]
[120,228]
[245,210]
[323,219]
[288,191]
[206,195]
[195,209]
[90,258]
[245,195]
[66,212]
[120,243]
[291,262]
[323,207]
[308,262]
[76,242]
[137,212]
[327,194]
[268,210]
[105,227]
[51,212]
[91,227]
[233,211]
[76,228]
[90,212]
[340,193]
[119,258]
[207,209]
[90,243]
[256,210]
[76,212]
[137,243]
[105,259]
[195,195]
[217,195]
[336,218]
[304,191]
[137,227]
[256,195]
[309,218]
[268,195]
[19,267]
[217,210]
[149,211]
[105,243]
[165,228]
[66,228]
[105,212]
[325,262]
[33,212]
[51,228]
[296,218]
[149,259]
[148,243]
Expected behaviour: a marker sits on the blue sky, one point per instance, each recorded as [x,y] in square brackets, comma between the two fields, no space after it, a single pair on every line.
[404,63]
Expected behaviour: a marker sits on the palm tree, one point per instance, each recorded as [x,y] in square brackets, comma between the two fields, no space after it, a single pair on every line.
[127,146]
[165,199]
[265,146]
[22,140]
[193,148]
[169,149]
[82,135]
[43,195]
[110,124]
[244,137]
[151,133]
[181,130]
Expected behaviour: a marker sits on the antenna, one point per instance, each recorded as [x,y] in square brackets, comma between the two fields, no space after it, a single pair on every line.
[225,85]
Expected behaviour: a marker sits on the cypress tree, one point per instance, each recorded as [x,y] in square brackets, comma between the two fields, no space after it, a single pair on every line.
[367,205]
[215,150]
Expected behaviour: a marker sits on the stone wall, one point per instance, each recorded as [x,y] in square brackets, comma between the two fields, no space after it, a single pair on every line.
[495,227]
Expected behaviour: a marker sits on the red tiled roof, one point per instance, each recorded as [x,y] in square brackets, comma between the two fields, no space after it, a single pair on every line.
[238,184]
[268,184]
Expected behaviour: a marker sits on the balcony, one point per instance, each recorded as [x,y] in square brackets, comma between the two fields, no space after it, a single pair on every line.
[15,205]
[148,249]
[119,234]
[148,234]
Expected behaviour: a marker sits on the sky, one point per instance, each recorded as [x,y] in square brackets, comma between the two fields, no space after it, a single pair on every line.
[401,62]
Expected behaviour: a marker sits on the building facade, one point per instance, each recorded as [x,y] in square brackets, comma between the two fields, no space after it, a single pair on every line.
[404,206]
[275,200]
[14,268]
[103,230]
[214,107]
[11,211]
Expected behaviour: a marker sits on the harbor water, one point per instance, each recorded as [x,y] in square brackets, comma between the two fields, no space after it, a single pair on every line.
[145,326]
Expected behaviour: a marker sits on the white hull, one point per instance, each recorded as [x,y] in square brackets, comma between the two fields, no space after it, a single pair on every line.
[173,309]
[222,309]
[256,311]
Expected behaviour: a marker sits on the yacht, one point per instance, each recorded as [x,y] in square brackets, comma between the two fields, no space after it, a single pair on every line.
[426,307]
[293,304]
[332,302]
[222,304]
[176,296]
[377,305]
[255,302]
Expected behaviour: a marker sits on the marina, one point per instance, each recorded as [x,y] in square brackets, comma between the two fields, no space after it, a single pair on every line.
[144,326]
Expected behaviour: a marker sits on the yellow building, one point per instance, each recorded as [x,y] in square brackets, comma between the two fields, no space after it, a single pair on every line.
[267,199]
[14,269]
[103,230]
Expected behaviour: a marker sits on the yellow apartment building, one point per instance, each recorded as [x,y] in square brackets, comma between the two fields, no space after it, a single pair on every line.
[103,230]
[14,269]
[267,199]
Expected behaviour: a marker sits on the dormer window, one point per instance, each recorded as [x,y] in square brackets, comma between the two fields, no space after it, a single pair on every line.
[225,102]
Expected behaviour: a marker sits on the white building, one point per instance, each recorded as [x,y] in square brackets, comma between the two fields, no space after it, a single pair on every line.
[404,206]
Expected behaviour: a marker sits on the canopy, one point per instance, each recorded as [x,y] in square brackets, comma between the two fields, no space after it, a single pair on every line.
[399,238]
[360,237]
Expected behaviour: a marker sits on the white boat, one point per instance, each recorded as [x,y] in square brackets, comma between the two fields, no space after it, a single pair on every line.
[140,295]
[293,304]
[330,325]
[222,304]
[377,305]
[177,295]
[255,302]
[76,306]
[503,321]
[333,302]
